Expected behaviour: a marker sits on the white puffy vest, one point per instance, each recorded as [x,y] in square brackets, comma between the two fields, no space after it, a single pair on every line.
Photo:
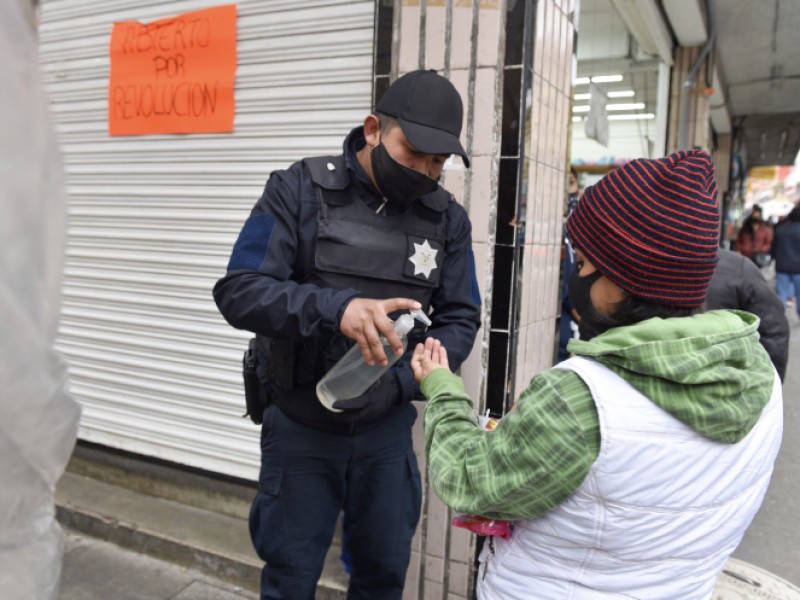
[659,513]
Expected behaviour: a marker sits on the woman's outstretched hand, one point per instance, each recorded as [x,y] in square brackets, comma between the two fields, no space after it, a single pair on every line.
[427,357]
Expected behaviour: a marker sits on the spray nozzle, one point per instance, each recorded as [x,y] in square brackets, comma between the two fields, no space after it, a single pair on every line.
[420,316]
[405,323]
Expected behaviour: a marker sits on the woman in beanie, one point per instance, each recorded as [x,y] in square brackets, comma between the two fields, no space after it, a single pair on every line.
[634,468]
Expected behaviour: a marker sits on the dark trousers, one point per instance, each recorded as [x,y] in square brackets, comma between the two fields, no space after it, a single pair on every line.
[308,477]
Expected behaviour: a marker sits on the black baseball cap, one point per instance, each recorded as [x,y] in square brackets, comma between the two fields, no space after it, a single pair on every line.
[429,110]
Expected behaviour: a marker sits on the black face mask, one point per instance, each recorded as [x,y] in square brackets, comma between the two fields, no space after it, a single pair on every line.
[398,184]
[592,322]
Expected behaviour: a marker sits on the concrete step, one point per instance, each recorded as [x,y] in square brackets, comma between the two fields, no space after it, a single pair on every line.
[177,531]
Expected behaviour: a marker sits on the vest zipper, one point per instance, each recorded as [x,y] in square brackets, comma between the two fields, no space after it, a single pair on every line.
[380,208]
[491,553]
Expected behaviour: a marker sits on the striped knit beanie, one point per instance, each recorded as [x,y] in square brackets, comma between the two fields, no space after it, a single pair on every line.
[652,227]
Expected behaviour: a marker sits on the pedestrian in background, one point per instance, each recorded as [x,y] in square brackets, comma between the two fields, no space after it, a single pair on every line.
[754,239]
[634,468]
[738,283]
[334,247]
[786,251]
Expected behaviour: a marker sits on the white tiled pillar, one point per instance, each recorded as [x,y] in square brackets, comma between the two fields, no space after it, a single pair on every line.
[466,41]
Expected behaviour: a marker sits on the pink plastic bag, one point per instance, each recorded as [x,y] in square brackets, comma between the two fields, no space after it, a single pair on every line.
[478,524]
[483,525]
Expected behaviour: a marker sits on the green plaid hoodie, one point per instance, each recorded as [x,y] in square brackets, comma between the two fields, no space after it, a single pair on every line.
[709,371]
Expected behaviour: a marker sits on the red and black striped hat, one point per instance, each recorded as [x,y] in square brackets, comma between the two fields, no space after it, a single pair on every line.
[652,227]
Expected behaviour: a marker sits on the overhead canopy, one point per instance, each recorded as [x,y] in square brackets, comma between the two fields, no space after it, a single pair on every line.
[757,46]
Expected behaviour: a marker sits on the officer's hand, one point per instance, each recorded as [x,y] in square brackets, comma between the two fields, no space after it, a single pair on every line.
[428,357]
[364,320]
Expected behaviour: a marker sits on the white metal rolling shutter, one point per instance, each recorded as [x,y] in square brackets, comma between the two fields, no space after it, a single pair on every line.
[152,219]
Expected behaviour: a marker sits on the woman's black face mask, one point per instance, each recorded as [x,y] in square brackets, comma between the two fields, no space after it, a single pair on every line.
[628,311]
[399,184]
[592,322]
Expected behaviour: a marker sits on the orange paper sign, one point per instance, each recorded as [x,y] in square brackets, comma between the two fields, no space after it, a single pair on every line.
[173,75]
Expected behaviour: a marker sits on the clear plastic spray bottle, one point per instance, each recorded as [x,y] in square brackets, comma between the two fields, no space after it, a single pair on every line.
[352,376]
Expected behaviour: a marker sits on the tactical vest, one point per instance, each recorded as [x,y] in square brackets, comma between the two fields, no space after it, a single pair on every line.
[380,256]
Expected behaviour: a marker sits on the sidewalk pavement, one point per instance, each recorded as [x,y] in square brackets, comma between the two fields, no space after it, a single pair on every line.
[166,534]
[98,570]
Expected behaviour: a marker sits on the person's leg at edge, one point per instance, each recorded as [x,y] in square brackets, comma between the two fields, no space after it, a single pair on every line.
[796,284]
[344,555]
[382,507]
[300,495]
[783,286]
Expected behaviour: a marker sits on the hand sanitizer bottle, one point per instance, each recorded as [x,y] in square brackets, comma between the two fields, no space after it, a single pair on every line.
[351,376]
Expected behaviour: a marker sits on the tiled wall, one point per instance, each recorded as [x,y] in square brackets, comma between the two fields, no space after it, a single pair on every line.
[547,148]
[516,91]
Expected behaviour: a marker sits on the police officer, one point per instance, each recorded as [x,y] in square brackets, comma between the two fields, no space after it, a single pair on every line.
[336,248]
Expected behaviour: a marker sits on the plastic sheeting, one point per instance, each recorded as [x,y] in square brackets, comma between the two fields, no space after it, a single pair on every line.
[38,421]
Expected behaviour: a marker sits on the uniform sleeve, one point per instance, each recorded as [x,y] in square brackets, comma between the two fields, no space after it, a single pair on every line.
[536,457]
[456,303]
[260,291]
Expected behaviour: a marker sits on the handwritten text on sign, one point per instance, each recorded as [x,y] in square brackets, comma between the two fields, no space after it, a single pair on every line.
[173,75]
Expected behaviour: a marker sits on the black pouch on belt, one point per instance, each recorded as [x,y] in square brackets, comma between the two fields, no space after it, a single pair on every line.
[254,396]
